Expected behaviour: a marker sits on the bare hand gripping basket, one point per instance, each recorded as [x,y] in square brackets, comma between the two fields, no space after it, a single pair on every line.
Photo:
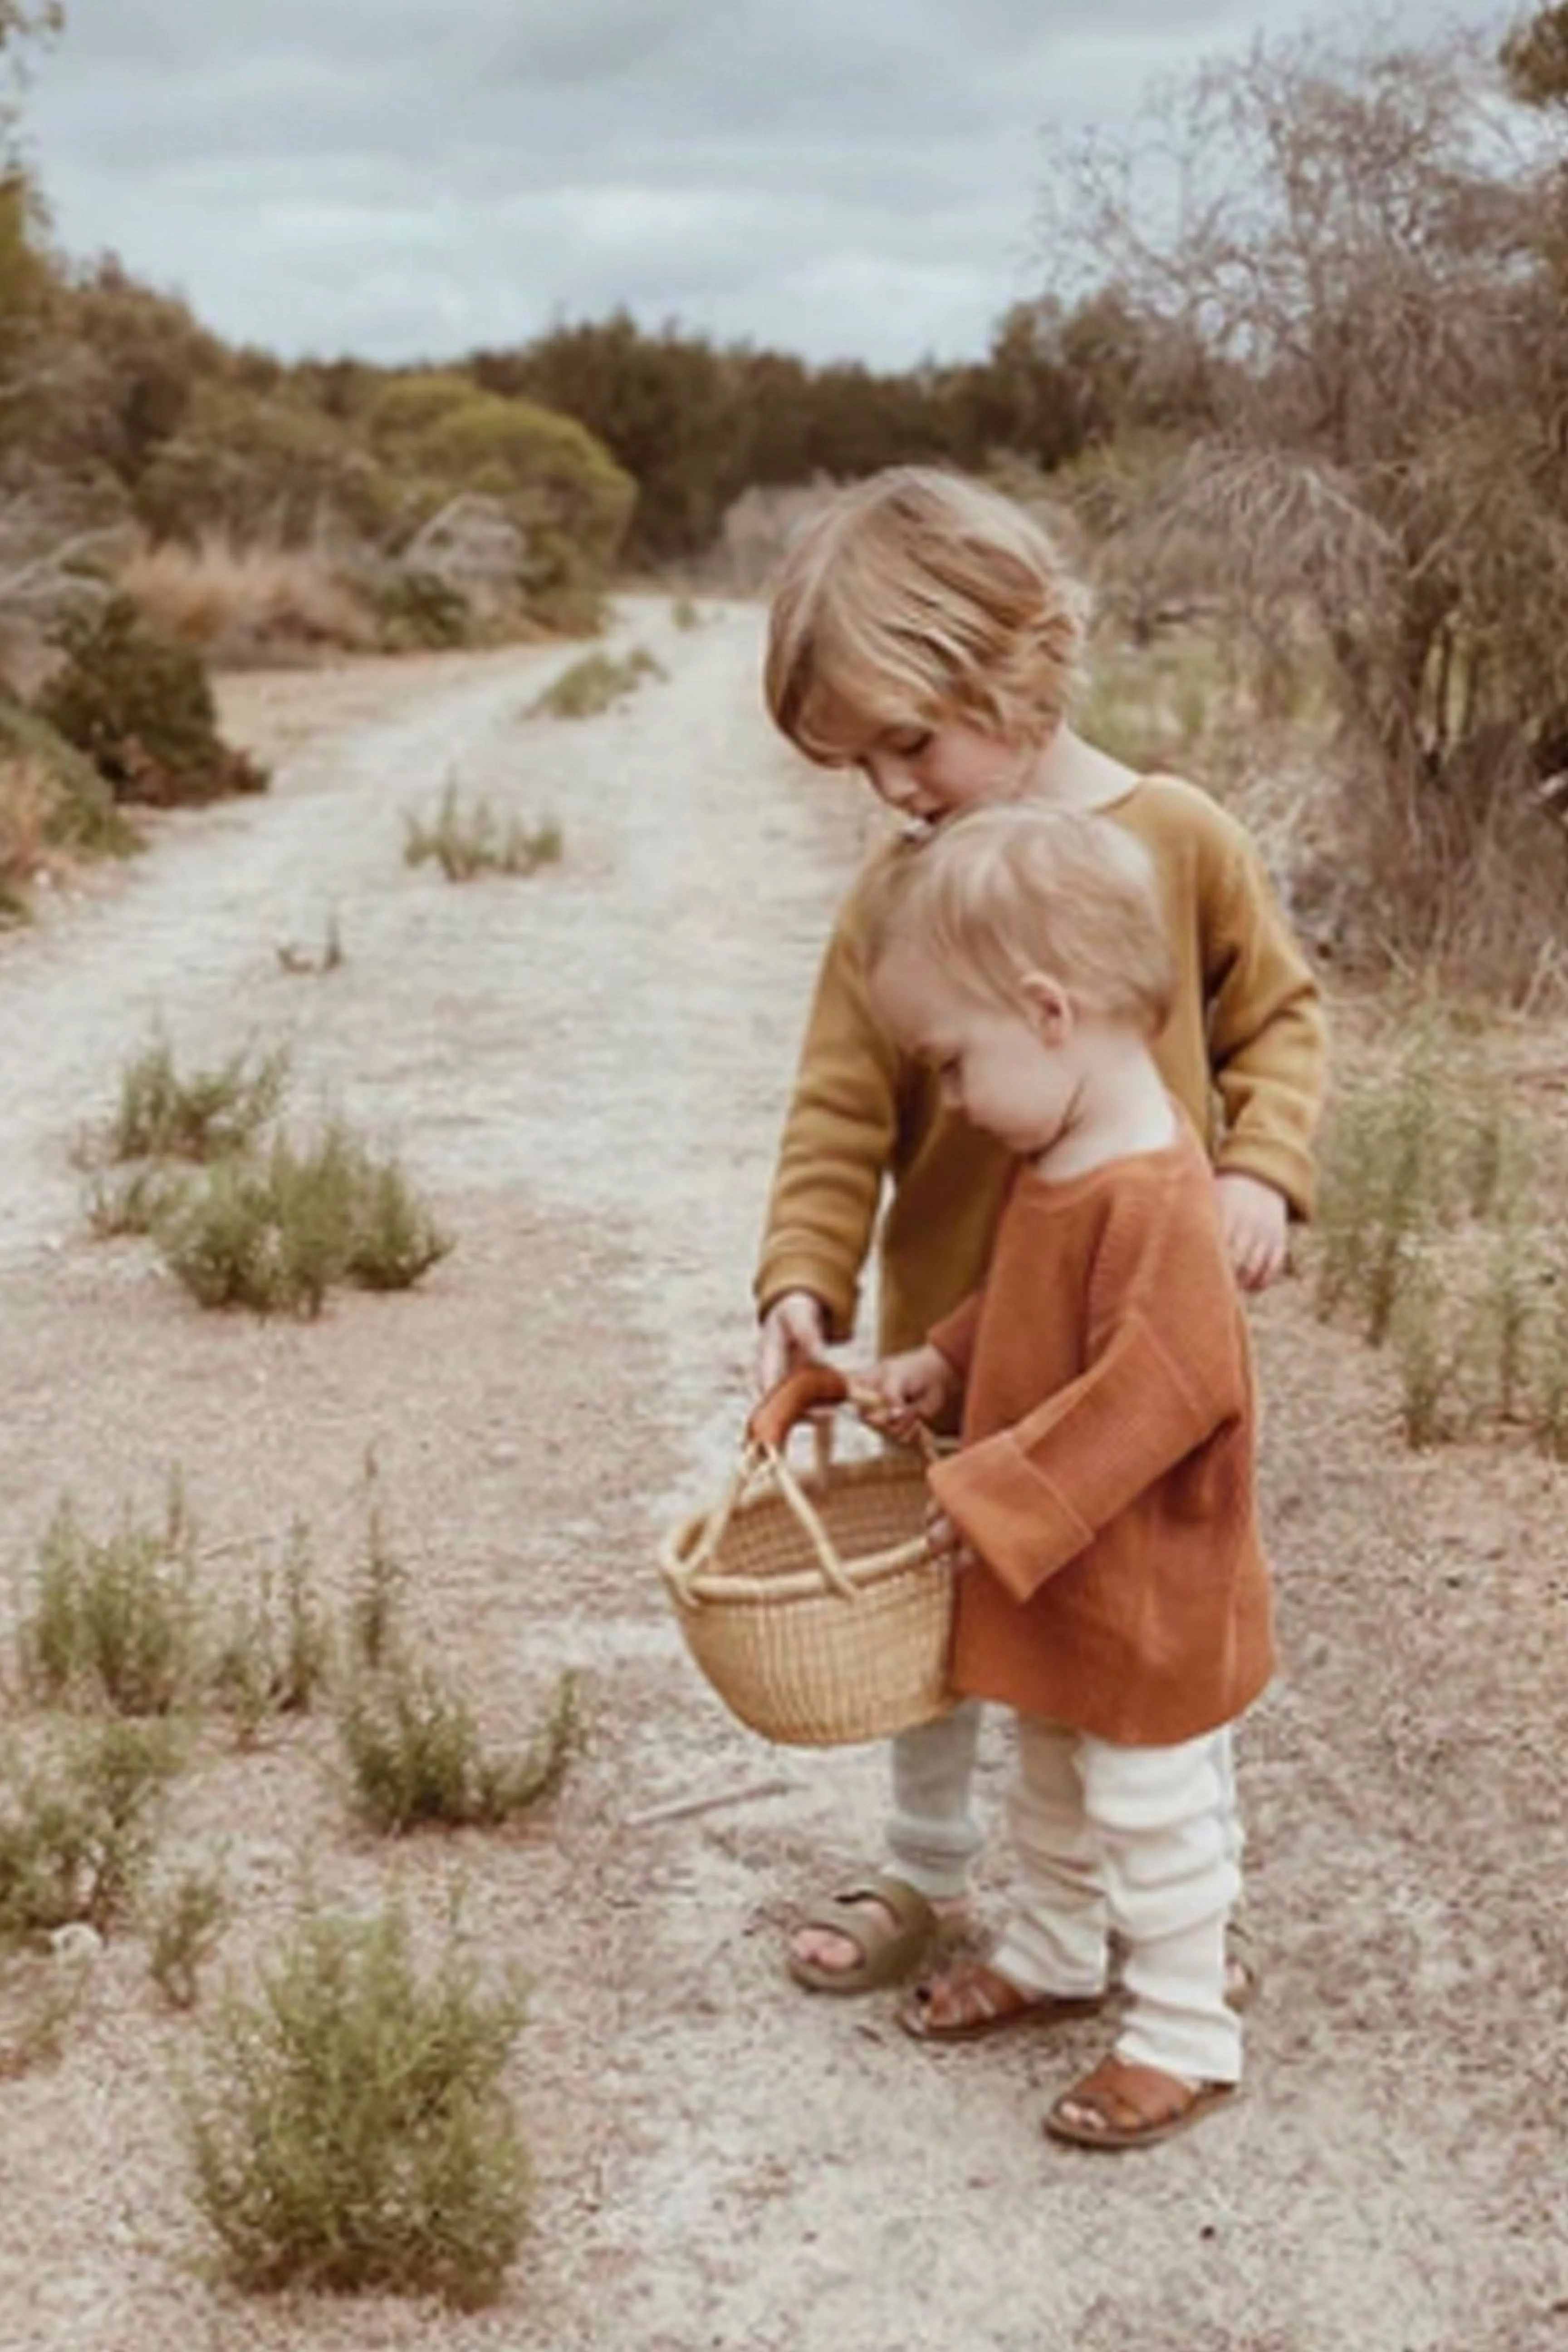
[811,1602]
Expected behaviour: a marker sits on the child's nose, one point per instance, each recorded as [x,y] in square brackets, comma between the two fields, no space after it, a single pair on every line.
[890,779]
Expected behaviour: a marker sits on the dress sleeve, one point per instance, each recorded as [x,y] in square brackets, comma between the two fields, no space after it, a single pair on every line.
[1267,1035]
[1165,1368]
[837,1147]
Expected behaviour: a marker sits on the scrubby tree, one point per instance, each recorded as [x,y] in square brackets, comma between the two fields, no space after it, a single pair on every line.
[1349,241]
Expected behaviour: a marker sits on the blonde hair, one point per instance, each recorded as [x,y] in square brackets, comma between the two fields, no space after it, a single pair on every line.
[1001,892]
[919,596]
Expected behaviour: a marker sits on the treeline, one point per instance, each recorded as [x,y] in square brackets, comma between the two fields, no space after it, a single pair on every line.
[696,425]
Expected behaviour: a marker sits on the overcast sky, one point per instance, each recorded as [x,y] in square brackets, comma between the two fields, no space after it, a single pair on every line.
[412,178]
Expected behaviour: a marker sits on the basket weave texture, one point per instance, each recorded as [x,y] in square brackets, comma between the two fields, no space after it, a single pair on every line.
[811,1603]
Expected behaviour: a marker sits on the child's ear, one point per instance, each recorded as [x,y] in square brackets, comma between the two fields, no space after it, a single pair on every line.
[1048,1005]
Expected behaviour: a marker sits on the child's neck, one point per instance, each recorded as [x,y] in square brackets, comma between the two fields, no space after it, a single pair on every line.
[1071,773]
[1122,1109]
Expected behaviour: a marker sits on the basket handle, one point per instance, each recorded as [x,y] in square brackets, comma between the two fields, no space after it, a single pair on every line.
[799,1392]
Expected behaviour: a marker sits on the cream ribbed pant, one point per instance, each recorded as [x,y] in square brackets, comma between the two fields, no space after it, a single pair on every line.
[1143,1840]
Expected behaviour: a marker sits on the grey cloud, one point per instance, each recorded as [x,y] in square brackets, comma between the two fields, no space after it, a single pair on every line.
[409,176]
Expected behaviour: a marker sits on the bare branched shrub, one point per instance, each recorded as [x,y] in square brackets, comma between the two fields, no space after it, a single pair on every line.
[1351,238]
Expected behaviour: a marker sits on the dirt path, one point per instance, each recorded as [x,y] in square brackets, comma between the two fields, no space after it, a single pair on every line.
[586,1072]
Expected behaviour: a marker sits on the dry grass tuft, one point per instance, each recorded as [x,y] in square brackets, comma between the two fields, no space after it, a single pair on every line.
[234,603]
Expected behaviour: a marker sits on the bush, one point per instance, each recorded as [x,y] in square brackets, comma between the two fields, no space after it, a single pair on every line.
[544,471]
[51,801]
[142,710]
[276,1234]
[594,685]
[416,1757]
[236,603]
[114,1623]
[466,842]
[75,1831]
[419,610]
[184,1922]
[204,1115]
[351,2130]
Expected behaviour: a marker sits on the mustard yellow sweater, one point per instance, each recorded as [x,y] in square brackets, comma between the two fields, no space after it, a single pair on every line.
[1243,1052]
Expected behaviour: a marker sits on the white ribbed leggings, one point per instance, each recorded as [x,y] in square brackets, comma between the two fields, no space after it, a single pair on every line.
[1144,1840]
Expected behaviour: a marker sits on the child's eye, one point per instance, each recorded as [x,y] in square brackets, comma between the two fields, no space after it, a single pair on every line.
[910,746]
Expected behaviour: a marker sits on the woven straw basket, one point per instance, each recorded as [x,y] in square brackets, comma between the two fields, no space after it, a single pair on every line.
[811,1603]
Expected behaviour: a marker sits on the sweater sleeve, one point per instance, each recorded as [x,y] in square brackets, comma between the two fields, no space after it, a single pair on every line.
[837,1145]
[1268,1037]
[1164,1369]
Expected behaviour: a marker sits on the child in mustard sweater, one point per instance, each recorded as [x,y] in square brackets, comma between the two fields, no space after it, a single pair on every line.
[926,632]
[1099,1511]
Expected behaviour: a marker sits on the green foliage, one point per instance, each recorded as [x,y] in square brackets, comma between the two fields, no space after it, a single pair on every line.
[75,1828]
[276,1235]
[594,685]
[114,1622]
[543,471]
[183,1921]
[278,1650]
[420,609]
[40,1999]
[351,2130]
[262,465]
[142,710]
[1436,1233]
[206,1115]
[415,1757]
[468,841]
[82,815]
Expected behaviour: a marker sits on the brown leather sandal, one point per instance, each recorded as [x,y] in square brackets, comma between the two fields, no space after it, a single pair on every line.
[1134,2106]
[982,2001]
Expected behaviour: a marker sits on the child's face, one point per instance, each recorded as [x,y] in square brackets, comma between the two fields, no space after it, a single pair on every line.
[928,773]
[1013,1072]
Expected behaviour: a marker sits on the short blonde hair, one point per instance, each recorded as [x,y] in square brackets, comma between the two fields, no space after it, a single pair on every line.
[919,596]
[1001,892]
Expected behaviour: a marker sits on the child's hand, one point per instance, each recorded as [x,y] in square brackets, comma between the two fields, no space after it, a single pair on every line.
[903,1390]
[1253,1219]
[948,1548]
[794,1332]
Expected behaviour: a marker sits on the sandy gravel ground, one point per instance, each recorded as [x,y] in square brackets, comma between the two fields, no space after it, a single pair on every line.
[585,1071]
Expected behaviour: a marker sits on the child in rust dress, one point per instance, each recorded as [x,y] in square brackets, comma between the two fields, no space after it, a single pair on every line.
[1100,1510]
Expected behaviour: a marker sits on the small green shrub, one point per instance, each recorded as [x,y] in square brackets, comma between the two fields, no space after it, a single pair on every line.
[184,1922]
[465,842]
[82,815]
[75,1829]
[415,1757]
[685,615]
[141,710]
[594,685]
[351,2130]
[279,1652]
[421,610]
[39,2001]
[135,1200]
[114,1623]
[206,1115]
[276,1235]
